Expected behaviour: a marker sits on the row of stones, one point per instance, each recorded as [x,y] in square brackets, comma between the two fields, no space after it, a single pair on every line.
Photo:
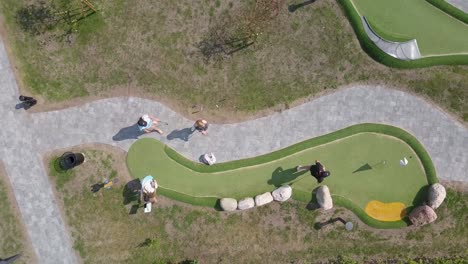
[281,194]
[421,215]
[425,214]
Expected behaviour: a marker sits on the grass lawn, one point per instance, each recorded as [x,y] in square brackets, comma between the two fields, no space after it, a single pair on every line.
[437,33]
[149,49]
[387,181]
[104,231]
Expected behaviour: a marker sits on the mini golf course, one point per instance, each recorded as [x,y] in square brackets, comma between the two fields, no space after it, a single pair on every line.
[436,32]
[366,176]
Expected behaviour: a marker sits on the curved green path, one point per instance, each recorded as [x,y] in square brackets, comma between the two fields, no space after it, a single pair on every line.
[436,32]
[343,152]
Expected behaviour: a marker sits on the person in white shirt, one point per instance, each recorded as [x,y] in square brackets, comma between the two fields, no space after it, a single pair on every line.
[148,124]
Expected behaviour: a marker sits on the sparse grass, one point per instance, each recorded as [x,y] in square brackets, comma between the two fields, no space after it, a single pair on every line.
[12,240]
[149,47]
[275,233]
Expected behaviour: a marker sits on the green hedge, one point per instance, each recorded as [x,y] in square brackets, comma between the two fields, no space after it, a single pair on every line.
[308,196]
[382,57]
[450,9]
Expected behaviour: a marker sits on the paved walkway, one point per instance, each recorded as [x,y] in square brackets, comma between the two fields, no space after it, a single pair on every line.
[25,137]
[460,4]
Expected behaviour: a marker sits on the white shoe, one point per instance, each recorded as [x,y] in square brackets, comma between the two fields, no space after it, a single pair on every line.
[299,168]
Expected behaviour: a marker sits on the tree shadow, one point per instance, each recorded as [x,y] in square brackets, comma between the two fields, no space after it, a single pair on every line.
[363,168]
[131,191]
[130,132]
[184,134]
[292,8]
[280,176]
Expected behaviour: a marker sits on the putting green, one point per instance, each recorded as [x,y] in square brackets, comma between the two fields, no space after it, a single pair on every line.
[436,32]
[364,167]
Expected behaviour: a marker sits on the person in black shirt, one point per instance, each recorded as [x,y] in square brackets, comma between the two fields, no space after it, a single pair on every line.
[317,170]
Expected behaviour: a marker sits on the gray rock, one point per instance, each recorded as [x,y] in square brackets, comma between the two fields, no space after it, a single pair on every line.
[436,195]
[282,194]
[246,203]
[228,204]
[324,198]
[262,199]
[422,215]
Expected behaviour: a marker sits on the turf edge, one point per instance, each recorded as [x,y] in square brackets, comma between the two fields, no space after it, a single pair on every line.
[450,9]
[377,54]
[301,195]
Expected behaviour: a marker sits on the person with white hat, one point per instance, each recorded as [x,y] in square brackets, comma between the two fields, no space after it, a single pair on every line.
[148,189]
[148,124]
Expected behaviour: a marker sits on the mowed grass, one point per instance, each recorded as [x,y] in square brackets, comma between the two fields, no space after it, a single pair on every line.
[149,49]
[104,231]
[437,33]
[386,181]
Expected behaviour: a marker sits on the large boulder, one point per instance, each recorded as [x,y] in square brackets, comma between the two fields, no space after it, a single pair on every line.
[228,204]
[246,203]
[282,194]
[324,198]
[436,195]
[422,215]
[262,199]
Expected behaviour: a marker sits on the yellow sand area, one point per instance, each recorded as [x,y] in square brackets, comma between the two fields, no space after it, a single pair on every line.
[386,211]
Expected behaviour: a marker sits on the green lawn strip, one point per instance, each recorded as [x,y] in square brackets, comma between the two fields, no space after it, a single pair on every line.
[313,142]
[436,32]
[146,156]
[380,56]
[450,9]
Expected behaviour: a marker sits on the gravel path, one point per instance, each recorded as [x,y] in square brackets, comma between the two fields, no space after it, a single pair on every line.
[25,137]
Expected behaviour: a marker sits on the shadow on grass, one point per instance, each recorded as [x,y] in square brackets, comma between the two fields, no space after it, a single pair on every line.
[217,205]
[319,225]
[419,199]
[363,168]
[10,259]
[293,8]
[280,176]
[131,191]
[313,204]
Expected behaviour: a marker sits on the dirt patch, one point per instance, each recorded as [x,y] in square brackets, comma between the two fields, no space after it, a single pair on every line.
[15,238]
[300,55]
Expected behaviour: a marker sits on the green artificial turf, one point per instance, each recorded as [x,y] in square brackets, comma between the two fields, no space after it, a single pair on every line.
[346,153]
[436,32]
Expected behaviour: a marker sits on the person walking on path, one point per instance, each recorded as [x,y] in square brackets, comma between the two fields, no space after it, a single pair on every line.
[201,125]
[148,124]
[317,170]
[148,189]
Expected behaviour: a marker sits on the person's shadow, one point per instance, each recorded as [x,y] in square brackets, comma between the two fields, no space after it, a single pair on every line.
[130,132]
[183,134]
[131,194]
[294,7]
[280,176]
